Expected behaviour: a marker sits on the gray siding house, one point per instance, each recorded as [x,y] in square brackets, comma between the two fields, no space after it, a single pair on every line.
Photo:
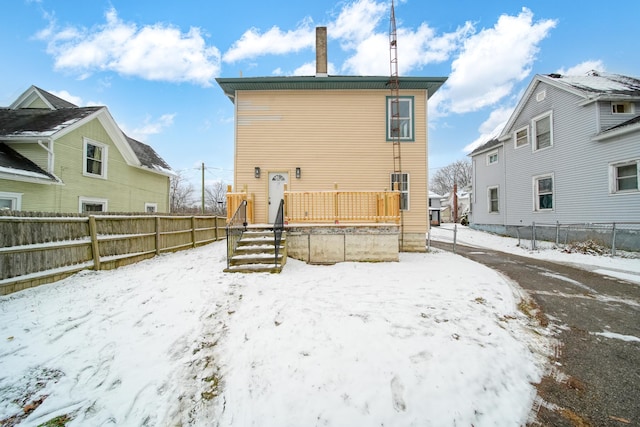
[569,153]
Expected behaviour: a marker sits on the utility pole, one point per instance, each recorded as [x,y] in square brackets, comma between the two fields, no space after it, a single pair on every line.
[203,188]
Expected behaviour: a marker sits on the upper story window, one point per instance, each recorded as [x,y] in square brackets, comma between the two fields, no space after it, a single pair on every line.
[622,108]
[521,137]
[542,131]
[95,159]
[10,201]
[625,176]
[400,182]
[543,192]
[492,157]
[400,122]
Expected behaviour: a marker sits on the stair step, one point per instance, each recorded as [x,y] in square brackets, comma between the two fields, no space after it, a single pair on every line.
[254,259]
[253,268]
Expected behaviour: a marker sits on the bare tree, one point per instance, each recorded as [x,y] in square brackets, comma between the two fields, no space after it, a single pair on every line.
[180,193]
[216,198]
[457,172]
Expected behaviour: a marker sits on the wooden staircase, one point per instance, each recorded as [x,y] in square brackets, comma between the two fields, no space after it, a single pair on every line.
[256,251]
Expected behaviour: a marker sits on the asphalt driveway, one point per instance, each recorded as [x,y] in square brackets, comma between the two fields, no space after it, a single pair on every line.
[595,380]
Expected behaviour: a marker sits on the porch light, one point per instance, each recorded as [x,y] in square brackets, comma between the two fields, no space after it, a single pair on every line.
[298,173]
[256,172]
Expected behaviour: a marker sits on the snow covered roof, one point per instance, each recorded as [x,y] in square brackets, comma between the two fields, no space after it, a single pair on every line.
[596,82]
[12,162]
[148,156]
[36,122]
[486,146]
[40,114]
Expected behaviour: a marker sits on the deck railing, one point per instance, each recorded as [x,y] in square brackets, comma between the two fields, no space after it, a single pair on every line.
[342,206]
[234,200]
[235,228]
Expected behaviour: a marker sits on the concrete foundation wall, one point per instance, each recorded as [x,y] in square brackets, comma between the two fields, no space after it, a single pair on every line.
[414,242]
[332,244]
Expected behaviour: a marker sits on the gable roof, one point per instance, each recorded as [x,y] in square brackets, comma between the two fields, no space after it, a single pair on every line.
[494,142]
[25,121]
[14,163]
[34,122]
[231,85]
[148,156]
[594,86]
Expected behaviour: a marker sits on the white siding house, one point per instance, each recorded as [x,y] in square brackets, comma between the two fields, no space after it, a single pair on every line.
[569,153]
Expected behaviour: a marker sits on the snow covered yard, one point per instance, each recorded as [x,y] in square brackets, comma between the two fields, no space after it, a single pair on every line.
[432,340]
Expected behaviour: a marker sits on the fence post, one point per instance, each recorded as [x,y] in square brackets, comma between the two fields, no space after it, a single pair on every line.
[215,225]
[613,240]
[557,232]
[533,236]
[455,234]
[95,246]
[193,231]
[157,235]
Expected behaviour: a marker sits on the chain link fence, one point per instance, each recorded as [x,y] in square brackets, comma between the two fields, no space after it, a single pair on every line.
[613,236]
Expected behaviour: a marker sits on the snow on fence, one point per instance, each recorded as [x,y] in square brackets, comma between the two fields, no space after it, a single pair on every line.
[41,249]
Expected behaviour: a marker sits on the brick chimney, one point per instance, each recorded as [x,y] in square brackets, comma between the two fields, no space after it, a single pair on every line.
[321,52]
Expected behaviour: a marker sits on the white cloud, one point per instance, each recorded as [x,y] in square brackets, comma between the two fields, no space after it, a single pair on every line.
[68,97]
[152,127]
[309,69]
[416,48]
[273,42]
[583,68]
[490,128]
[158,52]
[493,61]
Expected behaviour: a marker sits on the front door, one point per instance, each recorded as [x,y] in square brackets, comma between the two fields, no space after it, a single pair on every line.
[277,181]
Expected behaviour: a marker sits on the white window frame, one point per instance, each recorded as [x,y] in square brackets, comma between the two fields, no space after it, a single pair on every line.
[497,188]
[411,124]
[490,156]
[14,198]
[404,194]
[536,195]
[534,135]
[105,156]
[94,201]
[515,137]
[613,176]
[153,206]
[629,107]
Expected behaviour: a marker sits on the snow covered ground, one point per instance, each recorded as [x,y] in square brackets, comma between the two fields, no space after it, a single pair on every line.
[432,340]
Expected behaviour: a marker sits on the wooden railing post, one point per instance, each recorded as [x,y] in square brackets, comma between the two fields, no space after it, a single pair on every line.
[95,245]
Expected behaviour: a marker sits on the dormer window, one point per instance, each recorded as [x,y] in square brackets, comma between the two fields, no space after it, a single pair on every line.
[622,108]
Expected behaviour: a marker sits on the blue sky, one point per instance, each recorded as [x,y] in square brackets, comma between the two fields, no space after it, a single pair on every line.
[153,63]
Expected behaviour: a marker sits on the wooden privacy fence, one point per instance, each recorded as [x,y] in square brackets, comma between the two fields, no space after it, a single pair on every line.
[36,250]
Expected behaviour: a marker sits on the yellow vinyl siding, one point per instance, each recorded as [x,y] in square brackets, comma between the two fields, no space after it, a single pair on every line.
[334,136]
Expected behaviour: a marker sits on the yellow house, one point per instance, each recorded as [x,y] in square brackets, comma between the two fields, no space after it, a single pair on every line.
[309,139]
[58,157]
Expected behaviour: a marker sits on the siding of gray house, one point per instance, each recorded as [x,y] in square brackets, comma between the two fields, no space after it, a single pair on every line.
[484,177]
[579,165]
[608,119]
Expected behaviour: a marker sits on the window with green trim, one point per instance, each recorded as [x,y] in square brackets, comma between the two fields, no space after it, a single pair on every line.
[400,122]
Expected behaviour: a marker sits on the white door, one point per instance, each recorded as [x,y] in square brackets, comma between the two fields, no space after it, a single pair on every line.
[277,181]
